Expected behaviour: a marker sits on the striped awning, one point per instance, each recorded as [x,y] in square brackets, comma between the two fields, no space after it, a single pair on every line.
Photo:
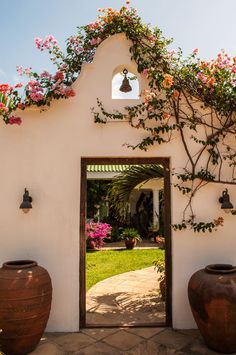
[107,168]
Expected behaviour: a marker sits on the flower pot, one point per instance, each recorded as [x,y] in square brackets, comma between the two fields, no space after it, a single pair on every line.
[25,302]
[212,297]
[130,243]
[91,245]
[160,241]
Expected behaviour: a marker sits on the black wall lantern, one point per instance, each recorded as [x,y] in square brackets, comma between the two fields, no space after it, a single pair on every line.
[26,203]
[125,86]
[226,205]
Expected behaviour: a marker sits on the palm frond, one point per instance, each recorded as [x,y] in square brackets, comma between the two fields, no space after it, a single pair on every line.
[122,185]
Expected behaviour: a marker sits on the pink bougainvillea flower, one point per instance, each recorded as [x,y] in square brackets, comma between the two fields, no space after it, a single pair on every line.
[69,92]
[148,96]
[45,74]
[35,85]
[97,231]
[61,90]
[15,120]
[5,88]
[202,77]
[19,70]
[18,85]
[93,41]
[46,43]
[59,76]
[52,39]
[36,96]
[152,39]
[195,51]
[146,72]
[21,106]
[38,42]
[35,90]
[93,26]
[64,67]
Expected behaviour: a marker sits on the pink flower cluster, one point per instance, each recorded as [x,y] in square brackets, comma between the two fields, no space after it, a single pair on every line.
[20,70]
[97,231]
[148,96]
[35,90]
[3,108]
[5,88]
[146,72]
[45,75]
[59,76]
[93,26]
[213,73]
[46,43]
[64,90]
[95,41]
[76,45]
[14,120]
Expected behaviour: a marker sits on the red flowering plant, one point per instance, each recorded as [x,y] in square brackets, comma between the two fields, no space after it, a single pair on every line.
[40,89]
[95,233]
[43,87]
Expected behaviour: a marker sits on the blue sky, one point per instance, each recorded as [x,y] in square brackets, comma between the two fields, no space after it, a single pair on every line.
[206,24]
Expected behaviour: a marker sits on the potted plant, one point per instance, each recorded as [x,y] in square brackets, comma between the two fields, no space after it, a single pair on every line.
[95,233]
[130,236]
[160,241]
[160,268]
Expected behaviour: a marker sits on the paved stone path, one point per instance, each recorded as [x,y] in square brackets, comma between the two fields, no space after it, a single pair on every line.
[131,298]
[125,341]
[118,341]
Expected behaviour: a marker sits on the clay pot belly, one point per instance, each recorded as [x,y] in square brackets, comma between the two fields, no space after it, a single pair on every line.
[212,297]
[25,303]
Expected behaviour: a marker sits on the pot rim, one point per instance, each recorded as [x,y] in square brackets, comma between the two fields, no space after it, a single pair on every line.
[220,268]
[19,264]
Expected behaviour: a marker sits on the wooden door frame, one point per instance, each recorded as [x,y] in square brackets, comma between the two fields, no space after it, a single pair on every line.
[165,162]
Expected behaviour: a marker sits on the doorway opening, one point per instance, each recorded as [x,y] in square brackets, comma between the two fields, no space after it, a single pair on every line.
[125,199]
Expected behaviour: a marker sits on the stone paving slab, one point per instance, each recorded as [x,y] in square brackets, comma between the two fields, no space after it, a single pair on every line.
[145,333]
[99,333]
[124,341]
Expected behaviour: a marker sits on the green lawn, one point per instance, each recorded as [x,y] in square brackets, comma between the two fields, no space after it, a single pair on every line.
[105,263]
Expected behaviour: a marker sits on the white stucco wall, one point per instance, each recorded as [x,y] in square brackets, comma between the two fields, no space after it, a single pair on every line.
[44,156]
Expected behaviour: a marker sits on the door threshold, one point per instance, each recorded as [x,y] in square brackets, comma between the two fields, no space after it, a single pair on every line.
[140,325]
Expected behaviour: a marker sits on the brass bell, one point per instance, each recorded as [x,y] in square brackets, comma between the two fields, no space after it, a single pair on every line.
[125,86]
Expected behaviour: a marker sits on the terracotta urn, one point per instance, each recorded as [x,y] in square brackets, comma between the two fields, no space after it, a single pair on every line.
[130,243]
[25,302]
[212,297]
